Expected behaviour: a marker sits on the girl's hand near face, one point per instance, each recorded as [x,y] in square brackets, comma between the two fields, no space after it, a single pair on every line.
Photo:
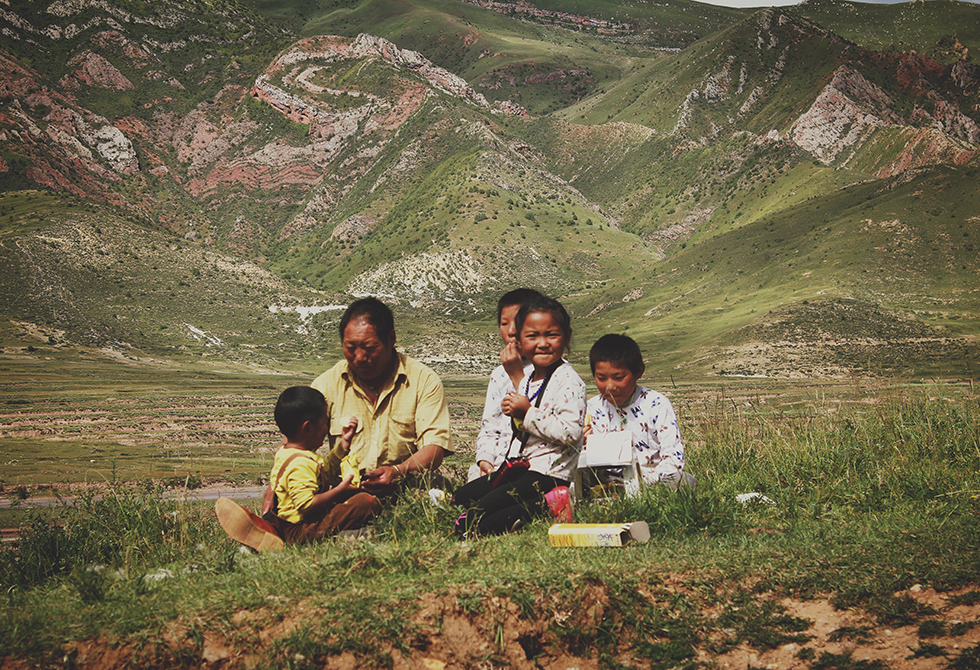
[515,405]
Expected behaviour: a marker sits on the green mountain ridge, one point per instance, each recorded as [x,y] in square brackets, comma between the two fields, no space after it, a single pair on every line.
[768,172]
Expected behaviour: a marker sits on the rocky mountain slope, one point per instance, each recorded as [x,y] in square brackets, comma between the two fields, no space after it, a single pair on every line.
[358,164]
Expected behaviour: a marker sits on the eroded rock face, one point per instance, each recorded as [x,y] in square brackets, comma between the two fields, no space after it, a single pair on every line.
[88,138]
[447,275]
[94,70]
[321,50]
[850,108]
[347,122]
[844,114]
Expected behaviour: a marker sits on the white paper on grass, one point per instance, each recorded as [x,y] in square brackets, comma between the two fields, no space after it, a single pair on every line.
[749,497]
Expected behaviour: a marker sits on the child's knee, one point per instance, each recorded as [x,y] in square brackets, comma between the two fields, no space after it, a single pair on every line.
[366,503]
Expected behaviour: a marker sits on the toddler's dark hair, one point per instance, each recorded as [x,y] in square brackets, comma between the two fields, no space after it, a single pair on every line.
[296,405]
[545,304]
[518,296]
[377,314]
[621,349]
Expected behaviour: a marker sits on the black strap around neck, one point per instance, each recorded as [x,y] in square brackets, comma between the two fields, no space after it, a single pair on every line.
[537,403]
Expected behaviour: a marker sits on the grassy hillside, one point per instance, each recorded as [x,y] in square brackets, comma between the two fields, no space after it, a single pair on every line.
[668,195]
[932,27]
[851,280]
[85,282]
[538,64]
[86,277]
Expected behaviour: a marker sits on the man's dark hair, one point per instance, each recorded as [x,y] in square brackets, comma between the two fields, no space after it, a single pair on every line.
[377,314]
[620,349]
[296,405]
[518,296]
[545,304]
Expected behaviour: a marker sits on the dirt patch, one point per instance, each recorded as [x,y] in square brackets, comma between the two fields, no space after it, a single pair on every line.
[454,631]
[856,635]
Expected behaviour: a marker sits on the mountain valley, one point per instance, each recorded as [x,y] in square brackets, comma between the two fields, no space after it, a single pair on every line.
[777,193]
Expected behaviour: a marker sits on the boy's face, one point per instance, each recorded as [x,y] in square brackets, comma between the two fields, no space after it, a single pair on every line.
[508,323]
[616,382]
[319,429]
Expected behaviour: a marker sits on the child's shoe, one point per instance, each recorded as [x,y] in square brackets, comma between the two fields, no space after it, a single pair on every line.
[362,533]
[246,527]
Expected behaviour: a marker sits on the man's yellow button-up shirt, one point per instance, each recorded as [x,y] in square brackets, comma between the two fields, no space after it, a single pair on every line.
[411,413]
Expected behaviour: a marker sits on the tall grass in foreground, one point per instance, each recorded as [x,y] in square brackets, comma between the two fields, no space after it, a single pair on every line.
[866,501]
[902,449]
[126,529]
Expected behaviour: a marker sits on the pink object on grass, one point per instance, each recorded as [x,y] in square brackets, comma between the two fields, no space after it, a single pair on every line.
[560,504]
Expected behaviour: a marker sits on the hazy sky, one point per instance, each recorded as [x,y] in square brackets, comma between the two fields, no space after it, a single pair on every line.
[783,3]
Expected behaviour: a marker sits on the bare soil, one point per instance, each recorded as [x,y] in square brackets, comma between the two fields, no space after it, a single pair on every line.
[449,637]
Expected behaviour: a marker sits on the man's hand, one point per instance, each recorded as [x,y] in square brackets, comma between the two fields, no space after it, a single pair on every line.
[515,405]
[486,467]
[381,480]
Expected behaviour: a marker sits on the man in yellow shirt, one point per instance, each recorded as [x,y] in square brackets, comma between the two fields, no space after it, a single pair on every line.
[403,416]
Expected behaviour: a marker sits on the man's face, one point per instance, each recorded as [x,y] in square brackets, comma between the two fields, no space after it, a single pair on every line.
[368,355]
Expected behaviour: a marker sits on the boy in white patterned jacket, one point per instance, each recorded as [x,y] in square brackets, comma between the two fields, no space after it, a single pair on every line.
[624,405]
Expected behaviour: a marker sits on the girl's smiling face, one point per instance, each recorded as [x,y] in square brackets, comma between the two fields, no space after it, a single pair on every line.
[542,341]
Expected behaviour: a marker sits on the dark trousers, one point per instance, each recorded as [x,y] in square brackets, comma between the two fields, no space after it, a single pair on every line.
[353,513]
[492,511]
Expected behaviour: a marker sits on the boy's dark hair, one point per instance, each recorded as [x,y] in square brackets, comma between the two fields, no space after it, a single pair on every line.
[518,296]
[621,349]
[296,405]
[545,304]
[377,314]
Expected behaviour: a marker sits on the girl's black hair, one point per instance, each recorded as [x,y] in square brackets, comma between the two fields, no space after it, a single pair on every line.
[545,304]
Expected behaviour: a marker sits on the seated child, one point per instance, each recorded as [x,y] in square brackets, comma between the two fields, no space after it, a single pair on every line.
[648,416]
[496,430]
[311,500]
[548,409]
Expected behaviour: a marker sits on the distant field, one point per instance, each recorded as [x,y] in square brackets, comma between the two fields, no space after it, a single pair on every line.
[84,419]
[93,420]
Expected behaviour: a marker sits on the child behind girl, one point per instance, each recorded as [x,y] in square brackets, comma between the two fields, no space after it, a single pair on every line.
[496,430]
[548,412]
